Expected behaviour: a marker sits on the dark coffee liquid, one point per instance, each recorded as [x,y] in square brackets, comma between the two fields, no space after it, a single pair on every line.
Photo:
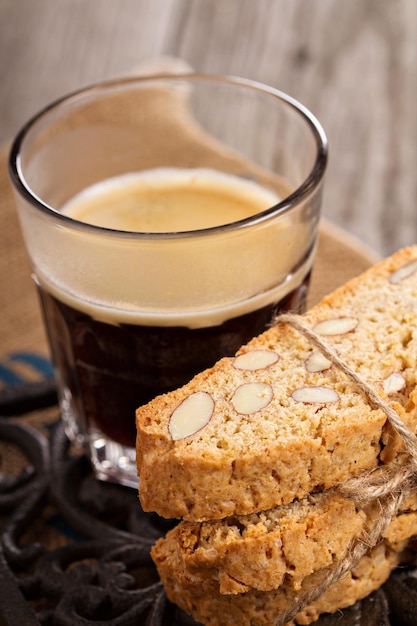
[111,370]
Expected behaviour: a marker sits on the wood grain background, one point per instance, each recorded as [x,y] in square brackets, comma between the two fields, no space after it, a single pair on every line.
[352,62]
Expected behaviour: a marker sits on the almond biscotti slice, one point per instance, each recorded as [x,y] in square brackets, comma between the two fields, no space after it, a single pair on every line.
[278,421]
[201,598]
[262,550]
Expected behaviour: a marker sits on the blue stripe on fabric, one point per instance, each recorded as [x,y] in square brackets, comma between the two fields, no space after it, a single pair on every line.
[42,365]
[9,377]
[37,361]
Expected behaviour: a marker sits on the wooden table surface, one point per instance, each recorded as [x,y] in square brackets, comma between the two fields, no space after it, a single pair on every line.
[352,62]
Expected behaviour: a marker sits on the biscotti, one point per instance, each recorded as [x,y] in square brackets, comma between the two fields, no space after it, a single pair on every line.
[278,421]
[287,544]
[201,598]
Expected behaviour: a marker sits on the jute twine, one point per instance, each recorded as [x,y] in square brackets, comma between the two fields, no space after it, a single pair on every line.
[389,486]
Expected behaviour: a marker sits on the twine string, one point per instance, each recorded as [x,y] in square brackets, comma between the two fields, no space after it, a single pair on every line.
[389,486]
[372,396]
[355,551]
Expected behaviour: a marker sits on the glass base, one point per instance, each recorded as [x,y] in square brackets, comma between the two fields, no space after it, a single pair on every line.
[111,461]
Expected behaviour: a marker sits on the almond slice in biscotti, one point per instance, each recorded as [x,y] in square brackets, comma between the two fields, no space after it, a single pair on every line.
[191,415]
[280,448]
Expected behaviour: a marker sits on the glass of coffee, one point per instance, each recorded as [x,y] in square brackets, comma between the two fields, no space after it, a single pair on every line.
[167,219]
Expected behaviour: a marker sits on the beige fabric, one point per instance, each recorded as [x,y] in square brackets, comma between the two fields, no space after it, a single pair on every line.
[20,320]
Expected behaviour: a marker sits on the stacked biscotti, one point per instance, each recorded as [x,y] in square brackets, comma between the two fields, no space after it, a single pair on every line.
[254,455]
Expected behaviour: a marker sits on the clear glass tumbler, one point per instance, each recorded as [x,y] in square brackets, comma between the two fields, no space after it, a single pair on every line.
[132,312]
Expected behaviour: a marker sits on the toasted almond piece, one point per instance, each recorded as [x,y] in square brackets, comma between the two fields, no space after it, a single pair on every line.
[251,397]
[317,362]
[393,383]
[191,415]
[255,360]
[403,272]
[336,326]
[312,395]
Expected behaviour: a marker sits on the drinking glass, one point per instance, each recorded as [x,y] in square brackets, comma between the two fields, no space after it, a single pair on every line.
[130,313]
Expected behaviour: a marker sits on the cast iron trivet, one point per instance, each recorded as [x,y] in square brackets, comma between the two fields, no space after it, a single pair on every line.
[102,574]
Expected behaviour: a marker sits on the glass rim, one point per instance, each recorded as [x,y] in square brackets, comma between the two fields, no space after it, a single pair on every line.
[310,183]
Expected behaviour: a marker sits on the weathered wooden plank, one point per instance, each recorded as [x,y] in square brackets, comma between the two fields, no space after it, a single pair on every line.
[354,63]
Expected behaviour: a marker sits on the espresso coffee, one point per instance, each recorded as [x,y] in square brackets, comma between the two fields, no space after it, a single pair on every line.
[112,356]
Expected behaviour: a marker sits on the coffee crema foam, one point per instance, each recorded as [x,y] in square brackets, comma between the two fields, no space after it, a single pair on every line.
[169,200]
[193,281]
